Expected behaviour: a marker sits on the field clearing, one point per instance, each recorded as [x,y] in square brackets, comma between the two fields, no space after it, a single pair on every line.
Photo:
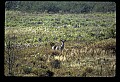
[90,47]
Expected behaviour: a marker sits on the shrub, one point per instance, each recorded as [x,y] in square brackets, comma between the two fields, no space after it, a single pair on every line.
[27,70]
[55,64]
[112,31]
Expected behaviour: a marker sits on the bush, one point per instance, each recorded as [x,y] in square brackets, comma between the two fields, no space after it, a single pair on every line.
[111,32]
[55,64]
[27,70]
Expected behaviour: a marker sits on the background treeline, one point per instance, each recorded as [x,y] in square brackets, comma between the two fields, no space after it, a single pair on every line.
[61,6]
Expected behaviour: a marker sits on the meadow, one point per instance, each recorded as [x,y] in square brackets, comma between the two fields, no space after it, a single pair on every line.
[90,47]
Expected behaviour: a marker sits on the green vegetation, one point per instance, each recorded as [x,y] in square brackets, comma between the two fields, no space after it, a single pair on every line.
[61,6]
[90,47]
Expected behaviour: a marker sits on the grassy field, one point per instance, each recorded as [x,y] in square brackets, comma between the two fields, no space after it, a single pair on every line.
[90,47]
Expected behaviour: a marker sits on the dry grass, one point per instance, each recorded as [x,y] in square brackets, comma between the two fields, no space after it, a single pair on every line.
[94,60]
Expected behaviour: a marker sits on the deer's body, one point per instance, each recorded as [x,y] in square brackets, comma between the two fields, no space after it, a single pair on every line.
[61,47]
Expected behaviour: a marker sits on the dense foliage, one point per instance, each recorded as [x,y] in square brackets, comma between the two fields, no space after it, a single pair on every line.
[61,6]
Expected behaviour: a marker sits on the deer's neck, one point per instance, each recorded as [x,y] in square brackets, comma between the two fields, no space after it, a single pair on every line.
[62,45]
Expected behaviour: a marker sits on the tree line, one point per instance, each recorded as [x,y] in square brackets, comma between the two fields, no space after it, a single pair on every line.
[61,6]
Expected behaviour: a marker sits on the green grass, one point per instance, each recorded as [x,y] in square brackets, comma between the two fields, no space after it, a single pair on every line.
[90,47]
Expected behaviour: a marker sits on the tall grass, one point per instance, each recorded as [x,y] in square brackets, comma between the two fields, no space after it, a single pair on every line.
[90,47]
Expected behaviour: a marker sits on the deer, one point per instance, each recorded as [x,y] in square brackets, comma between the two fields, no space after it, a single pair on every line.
[59,55]
[59,47]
